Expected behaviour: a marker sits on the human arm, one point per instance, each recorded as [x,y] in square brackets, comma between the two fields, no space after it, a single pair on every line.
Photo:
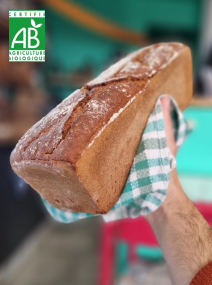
[182,232]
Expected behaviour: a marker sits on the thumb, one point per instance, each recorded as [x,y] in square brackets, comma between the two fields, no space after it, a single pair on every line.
[165,101]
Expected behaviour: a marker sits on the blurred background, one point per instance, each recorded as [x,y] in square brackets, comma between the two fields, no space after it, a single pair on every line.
[84,37]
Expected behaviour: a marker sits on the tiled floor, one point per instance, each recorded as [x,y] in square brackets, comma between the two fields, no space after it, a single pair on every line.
[57,255]
[149,274]
[60,254]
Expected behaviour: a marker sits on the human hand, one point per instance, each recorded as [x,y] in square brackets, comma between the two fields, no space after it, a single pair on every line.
[175,193]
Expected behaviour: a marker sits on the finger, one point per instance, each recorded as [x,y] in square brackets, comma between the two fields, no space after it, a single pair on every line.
[165,101]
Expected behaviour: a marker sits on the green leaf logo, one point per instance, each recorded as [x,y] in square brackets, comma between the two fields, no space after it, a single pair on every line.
[34,25]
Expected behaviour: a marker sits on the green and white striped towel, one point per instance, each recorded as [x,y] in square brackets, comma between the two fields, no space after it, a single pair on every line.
[148,180]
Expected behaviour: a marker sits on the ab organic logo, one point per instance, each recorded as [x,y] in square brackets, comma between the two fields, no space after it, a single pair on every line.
[27,36]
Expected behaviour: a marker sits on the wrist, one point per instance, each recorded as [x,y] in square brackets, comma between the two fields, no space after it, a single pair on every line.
[175,202]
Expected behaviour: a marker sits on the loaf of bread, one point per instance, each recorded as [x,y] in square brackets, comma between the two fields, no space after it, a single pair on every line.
[78,157]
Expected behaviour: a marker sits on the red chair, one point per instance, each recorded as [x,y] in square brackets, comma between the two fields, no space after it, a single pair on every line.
[135,232]
[206,210]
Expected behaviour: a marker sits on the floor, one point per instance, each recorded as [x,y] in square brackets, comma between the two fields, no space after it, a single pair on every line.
[149,274]
[58,254]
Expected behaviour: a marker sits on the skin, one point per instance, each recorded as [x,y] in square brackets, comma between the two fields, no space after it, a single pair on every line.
[182,232]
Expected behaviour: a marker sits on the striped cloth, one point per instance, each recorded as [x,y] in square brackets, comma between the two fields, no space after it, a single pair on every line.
[148,180]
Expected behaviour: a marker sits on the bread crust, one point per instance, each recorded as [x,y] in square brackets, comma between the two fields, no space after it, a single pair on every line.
[84,130]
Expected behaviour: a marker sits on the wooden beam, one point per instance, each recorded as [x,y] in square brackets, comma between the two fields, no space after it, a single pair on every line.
[95,23]
[202,101]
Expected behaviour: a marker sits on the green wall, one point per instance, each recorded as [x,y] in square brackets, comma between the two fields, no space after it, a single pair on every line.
[71,45]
